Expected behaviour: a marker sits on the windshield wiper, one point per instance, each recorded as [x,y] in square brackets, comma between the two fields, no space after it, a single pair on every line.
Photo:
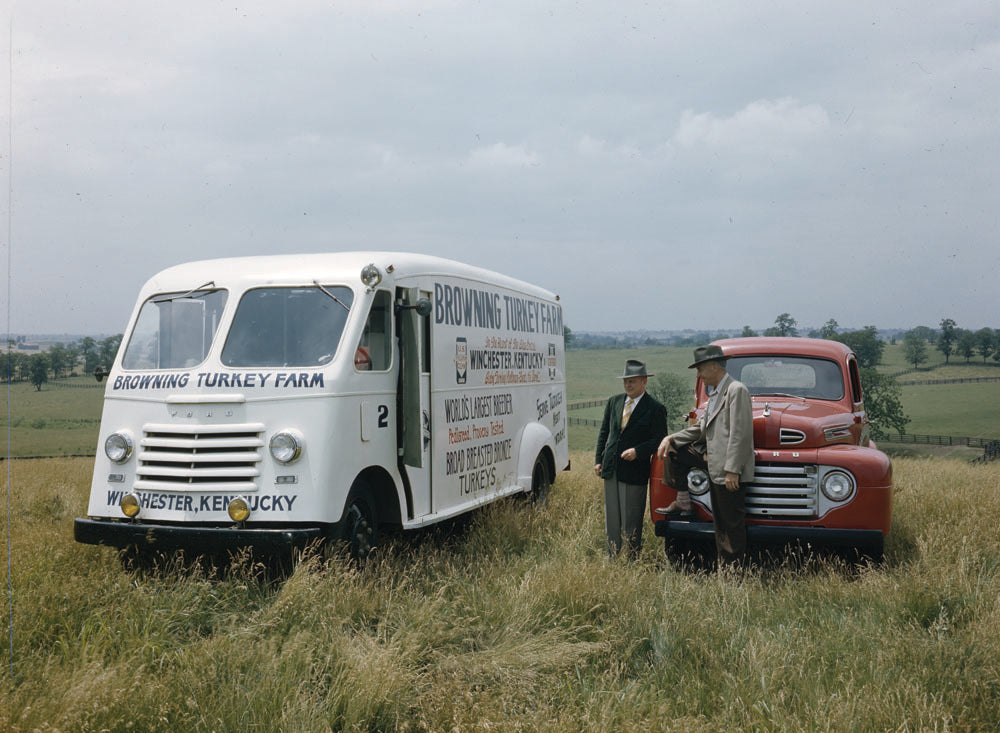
[332,296]
[777,394]
[188,294]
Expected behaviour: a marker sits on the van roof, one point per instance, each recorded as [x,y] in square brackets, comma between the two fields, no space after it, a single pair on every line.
[242,272]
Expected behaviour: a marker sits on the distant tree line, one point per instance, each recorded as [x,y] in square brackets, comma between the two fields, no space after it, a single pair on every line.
[59,361]
[951,339]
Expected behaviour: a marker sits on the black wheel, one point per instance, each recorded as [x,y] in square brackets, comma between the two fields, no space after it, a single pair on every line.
[540,481]
[360,526]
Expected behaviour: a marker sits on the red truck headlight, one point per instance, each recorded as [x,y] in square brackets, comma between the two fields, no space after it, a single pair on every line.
[698,482]
[837,486]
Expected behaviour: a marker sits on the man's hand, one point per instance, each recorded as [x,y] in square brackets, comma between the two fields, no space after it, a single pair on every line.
[666,446]
[629,454]
[597,470]
[732,481]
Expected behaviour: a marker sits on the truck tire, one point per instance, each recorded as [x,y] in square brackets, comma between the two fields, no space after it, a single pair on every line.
[540,481]
[360,525]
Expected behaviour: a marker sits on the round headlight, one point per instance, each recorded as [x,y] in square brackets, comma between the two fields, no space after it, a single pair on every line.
[285,446]
[118,447]
[130,504]
[837,485]
[697,481]
[238,509]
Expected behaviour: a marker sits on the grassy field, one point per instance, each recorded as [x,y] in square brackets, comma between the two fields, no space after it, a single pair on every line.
[515,621]
[62,419]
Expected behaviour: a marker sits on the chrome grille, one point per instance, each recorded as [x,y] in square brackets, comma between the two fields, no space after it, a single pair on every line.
[790,436]
[200,457]
[783,491]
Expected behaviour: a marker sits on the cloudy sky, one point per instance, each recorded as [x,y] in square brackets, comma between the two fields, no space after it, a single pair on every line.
[661,165]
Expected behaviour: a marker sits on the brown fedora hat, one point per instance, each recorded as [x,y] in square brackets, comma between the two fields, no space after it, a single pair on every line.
[635,368]
[707,353]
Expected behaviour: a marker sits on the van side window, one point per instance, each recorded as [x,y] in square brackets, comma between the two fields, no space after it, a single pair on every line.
[374,352]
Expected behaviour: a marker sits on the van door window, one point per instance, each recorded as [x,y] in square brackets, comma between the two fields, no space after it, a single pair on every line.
[425,340]
[283,327]
[374,352]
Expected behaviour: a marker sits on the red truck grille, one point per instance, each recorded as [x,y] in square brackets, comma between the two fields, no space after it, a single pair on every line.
[783,491]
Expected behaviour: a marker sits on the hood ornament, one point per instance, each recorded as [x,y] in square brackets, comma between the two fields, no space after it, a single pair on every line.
[767,409]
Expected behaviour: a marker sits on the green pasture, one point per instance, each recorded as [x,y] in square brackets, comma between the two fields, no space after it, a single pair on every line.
[64,418]
[596,373]
[970,410]
[894,361]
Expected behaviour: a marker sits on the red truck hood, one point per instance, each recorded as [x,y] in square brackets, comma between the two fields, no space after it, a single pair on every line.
[786,422]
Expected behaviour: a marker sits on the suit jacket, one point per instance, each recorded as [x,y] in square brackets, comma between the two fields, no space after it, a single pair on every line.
[725,434]
[646,427]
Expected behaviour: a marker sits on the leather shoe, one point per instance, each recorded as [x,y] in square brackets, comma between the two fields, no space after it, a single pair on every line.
[675,512]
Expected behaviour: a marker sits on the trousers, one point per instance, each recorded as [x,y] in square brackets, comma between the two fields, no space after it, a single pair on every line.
[728,507]
[624,511]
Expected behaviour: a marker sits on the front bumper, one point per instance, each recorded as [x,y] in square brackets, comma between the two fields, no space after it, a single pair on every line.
[770,534]
[169,538]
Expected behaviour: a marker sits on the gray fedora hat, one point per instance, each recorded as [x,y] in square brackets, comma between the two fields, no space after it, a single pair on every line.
[635,368]
[707,353]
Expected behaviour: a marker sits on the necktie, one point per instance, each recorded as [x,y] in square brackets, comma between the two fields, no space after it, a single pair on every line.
[627,413]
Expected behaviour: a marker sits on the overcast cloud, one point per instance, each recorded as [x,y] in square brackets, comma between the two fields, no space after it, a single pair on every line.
[660,165]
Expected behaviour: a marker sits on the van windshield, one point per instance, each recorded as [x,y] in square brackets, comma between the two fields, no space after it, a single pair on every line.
[797,376]
[283,327]
[175,330]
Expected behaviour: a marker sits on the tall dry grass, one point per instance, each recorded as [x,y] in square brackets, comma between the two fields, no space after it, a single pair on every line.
[514,620]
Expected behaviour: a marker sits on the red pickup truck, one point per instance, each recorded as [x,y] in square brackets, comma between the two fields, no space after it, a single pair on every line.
[818,479]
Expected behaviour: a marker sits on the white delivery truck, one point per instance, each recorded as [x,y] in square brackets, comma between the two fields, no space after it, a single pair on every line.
[273,402]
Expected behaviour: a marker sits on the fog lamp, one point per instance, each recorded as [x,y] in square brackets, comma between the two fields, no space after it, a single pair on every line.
[238,509]
[370,276]
[837,485]
[130,504]
[285,446]
[118,447]
[697,481]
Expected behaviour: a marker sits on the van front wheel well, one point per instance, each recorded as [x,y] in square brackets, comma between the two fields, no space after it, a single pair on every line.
[542,474]
[381,490]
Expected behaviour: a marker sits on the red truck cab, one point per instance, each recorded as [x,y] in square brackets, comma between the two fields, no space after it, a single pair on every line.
[818,478]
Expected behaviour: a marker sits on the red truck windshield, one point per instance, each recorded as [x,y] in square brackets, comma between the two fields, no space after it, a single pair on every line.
[795,376]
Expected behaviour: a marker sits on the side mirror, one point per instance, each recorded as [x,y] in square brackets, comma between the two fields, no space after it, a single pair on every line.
[100,373]
[424,307]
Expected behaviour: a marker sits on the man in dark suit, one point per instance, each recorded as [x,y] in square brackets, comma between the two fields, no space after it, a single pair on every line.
[633,425]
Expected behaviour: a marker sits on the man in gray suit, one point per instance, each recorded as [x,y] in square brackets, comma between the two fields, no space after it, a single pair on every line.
[721,441]
[632,427]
